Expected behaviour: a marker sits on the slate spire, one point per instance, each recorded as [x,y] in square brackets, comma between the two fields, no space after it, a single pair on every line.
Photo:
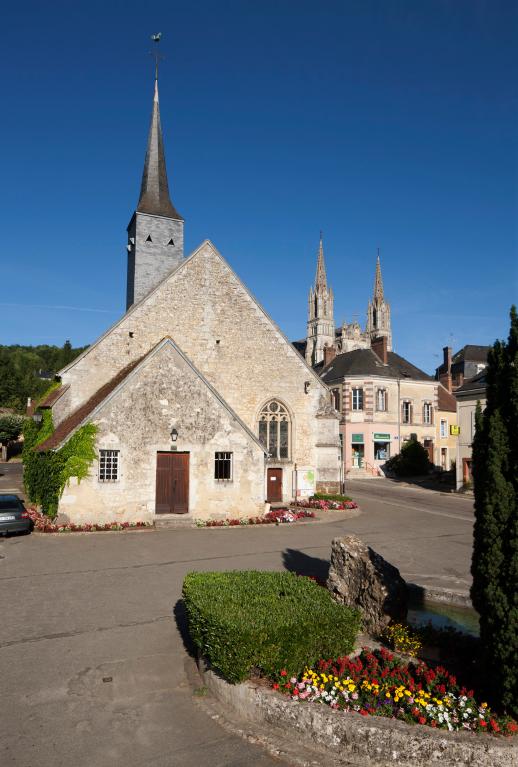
[154,191]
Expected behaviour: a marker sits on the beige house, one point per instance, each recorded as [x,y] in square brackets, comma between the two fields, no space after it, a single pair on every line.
[467,396]
[383,401]
[445,429]
[202,405]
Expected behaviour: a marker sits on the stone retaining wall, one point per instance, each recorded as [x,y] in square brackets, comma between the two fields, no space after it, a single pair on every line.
[369,741]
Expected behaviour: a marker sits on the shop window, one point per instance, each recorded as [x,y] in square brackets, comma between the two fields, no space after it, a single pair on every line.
[223,466]
[357,399]
[381,451]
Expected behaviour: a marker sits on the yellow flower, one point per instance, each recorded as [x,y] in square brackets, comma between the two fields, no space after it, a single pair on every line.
[484,705]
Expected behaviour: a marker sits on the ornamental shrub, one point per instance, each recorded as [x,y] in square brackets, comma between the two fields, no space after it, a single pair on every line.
[412,461]
[45,474]
[250,621]
[495,551]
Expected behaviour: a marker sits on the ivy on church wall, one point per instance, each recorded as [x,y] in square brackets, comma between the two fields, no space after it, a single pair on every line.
[47,473]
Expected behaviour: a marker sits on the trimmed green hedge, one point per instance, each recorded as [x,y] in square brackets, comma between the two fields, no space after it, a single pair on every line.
[251,621]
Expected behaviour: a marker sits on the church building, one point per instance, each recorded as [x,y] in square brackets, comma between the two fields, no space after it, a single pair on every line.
[202,406]
[383,399]
[321,331]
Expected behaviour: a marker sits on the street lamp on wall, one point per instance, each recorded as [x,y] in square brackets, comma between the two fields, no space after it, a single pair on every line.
[37,418]
[174,434]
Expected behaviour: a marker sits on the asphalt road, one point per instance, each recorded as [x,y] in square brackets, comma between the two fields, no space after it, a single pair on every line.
[94,669]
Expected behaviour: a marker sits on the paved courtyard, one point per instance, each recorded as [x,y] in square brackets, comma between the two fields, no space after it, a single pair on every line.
[94,669]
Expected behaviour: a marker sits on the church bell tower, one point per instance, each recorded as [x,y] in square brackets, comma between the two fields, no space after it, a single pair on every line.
[378,311]
[155,232]
[321,322]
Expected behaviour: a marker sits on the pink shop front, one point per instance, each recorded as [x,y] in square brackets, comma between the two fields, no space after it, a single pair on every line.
[367,447]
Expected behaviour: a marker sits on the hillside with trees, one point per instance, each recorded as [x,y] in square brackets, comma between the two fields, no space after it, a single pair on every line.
[25,371]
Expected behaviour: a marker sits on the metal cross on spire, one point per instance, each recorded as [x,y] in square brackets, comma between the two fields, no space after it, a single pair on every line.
[156,51]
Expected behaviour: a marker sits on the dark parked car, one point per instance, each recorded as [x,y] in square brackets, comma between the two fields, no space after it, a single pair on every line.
[14,517]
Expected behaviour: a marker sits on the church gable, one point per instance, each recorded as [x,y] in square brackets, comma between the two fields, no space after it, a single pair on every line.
[205,308]
[164,409]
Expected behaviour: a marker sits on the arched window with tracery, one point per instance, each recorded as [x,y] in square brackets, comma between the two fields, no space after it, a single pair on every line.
[275,429]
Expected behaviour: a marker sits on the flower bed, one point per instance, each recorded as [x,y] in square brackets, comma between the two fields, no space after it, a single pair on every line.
[378,684]
[326,504]
[43,524]
[274,517]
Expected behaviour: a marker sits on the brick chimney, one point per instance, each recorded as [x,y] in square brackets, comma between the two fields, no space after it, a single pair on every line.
[445,374]
[329,354]
[379,347]
[446,352]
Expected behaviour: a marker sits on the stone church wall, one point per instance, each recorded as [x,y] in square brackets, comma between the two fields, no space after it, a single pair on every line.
[226,334]
[137,421]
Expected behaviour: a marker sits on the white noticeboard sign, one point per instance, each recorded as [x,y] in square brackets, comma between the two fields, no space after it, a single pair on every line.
[304,482]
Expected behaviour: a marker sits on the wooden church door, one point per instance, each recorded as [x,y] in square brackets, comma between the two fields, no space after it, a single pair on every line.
[274,485]
[172,483]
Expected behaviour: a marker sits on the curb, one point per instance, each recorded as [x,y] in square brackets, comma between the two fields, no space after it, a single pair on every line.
[437,594]
[369,741]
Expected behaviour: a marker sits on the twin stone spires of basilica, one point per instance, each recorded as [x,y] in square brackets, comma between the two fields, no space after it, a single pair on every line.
[155,248]
[321,332]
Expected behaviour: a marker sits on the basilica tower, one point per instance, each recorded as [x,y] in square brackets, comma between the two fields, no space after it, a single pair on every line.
[378,311]
[155,232]
[321,323]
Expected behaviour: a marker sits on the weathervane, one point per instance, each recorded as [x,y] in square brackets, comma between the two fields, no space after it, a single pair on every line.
[155,52]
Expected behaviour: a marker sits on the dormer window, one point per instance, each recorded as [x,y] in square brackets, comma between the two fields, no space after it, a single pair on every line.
[171,241]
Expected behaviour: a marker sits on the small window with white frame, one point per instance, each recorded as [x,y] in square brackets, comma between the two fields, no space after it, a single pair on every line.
[427,413]
[444,428]
[108,465]
[223,467]
[406,411]
[381,400]
[357,398]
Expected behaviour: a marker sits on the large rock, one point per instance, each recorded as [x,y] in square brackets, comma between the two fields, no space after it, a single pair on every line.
[361,578]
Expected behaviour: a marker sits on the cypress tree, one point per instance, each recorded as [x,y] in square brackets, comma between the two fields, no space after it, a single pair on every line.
[495,552]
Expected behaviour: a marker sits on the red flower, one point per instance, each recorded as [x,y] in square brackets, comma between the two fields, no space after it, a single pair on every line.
[482,723]
[494,725]
[433,723]
[363,712]
[421,720]
[275,686]
[284,672]
[512,727]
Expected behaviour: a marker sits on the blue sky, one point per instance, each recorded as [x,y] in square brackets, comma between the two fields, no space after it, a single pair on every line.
[389,124]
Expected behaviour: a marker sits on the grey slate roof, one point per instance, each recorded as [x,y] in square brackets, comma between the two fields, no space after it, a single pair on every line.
[471,353]
[154,191]
[366,362]
[477,383]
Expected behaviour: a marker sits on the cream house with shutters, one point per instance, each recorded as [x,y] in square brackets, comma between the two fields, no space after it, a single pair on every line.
[383,401]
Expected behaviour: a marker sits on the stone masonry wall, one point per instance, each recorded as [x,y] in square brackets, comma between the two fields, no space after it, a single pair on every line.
[137,420]
[215,322]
